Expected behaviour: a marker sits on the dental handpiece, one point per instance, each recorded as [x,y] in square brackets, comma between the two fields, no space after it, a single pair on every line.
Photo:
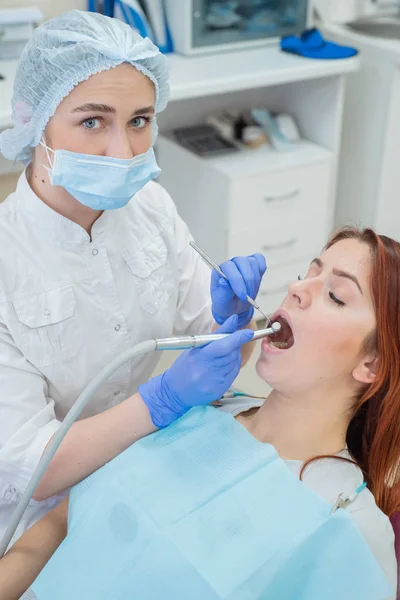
[214,265]
[198,341]
[179,343]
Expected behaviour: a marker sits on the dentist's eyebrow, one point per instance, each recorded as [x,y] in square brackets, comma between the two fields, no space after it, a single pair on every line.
[147,110]
[105,108]
[91,107]
[339,273]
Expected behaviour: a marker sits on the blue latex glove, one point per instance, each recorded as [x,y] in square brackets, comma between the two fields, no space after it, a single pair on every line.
[245,274]
[199,376]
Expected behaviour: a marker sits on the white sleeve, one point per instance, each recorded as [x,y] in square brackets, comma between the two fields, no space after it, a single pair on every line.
[329,477]
[379,535]
[27,414]
[193,311]
[194,302]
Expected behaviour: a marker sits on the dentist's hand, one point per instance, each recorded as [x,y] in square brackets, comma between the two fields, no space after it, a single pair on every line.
[199,376]
[244,274]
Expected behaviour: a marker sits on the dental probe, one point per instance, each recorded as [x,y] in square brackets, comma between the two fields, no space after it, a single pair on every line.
[220,272]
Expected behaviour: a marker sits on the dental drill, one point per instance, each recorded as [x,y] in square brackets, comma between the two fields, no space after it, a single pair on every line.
[174,343]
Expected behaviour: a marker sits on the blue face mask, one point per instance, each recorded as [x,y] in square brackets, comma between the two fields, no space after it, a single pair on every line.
[101,182]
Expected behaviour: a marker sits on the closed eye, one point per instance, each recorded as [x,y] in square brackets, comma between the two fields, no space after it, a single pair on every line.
[335,299]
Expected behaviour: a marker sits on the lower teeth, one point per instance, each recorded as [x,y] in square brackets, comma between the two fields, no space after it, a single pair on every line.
[280,345]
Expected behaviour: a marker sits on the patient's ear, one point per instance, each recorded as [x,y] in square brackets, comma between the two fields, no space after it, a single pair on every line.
[365,371]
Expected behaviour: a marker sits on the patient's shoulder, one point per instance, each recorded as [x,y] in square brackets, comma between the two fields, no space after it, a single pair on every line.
[330,477]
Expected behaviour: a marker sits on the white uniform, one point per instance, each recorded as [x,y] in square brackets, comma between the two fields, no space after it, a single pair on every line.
[70,304]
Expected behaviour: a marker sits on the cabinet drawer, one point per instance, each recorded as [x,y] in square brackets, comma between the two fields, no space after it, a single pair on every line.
[282,199]
[293,242]
[274,287]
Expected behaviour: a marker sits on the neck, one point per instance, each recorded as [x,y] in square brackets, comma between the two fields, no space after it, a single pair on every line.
[60,200]
[300,428]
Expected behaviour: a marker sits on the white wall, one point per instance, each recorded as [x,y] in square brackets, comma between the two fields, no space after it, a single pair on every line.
[50,8]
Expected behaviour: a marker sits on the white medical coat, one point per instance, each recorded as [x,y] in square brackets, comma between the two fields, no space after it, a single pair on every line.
[69,304]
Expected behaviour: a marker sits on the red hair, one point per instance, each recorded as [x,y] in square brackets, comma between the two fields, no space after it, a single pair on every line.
[373,436]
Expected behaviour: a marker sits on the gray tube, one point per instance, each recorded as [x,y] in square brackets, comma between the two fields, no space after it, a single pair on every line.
[70,418]
[179,343]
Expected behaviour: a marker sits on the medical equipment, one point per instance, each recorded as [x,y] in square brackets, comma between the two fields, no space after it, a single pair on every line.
[233,395]
[344,501]
[62,53]
[203,140]
[174,343]
[266,121]
[204,26]
[220,272]
[203,510]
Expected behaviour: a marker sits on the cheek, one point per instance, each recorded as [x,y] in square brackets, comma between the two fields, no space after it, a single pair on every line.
[63,135]
[141,140]
[334,345]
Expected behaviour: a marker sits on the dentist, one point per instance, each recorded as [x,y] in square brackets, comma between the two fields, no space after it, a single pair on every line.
[94,259]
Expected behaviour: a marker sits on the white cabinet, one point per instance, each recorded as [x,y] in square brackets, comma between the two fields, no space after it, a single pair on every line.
[274,287]
[369,174]
[255,201]
[274,213]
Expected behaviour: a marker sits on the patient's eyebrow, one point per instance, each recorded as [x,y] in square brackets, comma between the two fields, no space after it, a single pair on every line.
[339,273]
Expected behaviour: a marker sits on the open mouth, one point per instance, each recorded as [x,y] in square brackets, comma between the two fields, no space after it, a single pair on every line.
[284,339]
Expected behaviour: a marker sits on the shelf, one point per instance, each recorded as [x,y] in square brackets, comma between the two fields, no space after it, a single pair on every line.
[197,76]
[251,162]
[207,75]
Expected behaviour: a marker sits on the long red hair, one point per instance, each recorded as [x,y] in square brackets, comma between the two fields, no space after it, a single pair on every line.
[373,436]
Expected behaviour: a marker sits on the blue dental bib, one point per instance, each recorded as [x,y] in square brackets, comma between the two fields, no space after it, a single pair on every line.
[203,511]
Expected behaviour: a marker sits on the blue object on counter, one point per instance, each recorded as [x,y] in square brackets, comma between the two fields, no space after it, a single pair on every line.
[311,44]
[105,7]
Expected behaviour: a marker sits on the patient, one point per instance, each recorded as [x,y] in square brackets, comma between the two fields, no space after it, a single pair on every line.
[333,413]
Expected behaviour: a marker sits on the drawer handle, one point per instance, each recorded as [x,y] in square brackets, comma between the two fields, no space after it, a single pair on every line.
[280,290]
[287,244]
[287,196]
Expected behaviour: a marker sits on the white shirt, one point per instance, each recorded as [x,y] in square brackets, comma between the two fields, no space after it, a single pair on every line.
[69,305]
[329,478]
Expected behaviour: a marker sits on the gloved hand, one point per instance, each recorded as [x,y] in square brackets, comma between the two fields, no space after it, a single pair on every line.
[228,298]
[199,376]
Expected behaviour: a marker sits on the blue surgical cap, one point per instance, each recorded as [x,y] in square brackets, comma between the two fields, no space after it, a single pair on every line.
[62,53]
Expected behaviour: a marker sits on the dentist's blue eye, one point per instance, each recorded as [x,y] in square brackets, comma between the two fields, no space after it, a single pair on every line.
[91,123]
[140,122]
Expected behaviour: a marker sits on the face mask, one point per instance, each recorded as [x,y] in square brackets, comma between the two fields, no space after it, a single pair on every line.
[101,182]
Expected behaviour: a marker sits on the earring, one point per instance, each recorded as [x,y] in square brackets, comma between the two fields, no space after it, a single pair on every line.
[299,278]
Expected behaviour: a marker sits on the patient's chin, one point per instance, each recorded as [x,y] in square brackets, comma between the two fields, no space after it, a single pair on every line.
[272,374]
[263,369]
